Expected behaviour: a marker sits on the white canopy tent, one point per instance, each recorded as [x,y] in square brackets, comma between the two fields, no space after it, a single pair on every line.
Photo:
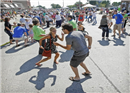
[88,5]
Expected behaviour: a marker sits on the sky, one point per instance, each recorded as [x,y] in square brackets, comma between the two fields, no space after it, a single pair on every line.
[47,3]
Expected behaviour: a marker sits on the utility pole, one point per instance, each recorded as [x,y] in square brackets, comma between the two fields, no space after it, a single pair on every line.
[63,3]
[79,4]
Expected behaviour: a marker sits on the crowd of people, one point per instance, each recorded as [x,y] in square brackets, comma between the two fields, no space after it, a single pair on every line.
[31,29]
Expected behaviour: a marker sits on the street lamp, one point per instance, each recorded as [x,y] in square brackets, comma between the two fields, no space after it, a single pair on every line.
[63,3]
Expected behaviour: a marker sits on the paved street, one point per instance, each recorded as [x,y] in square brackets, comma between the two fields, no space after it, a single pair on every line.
[108,62]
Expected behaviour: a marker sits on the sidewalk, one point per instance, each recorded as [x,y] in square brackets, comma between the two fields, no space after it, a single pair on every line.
[108,62]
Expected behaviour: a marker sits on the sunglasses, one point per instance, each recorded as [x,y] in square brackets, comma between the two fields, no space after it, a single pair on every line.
[54,31]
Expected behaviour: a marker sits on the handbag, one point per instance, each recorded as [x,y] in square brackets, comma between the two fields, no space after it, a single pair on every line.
[47,53]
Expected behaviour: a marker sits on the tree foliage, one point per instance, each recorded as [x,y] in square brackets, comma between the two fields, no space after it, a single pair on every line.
[41,6]
[55,6]
[71,6]
[93,2]
[116,3]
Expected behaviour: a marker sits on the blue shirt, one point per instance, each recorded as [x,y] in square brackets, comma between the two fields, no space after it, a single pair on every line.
[18,32]
[118,17]
[22,20]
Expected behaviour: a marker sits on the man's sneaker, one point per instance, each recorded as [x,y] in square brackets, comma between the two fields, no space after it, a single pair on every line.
[108,39]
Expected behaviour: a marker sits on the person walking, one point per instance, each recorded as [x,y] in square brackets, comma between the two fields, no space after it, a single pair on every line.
[76,40]
[49,45]
[118,17]
[8,29]
[58,20]
[104,27]
[47,20]
[77,16]
[38,33]
[94,18]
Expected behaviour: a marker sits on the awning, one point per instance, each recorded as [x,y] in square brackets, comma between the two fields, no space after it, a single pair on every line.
[18,5]
[12,6]
[89,5]
[4,5]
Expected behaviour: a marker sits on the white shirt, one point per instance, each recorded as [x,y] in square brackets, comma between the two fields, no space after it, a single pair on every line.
[30,20]
[94,14]
[129,20]
[27,24]
[51,13]
[58,17]
[47,18]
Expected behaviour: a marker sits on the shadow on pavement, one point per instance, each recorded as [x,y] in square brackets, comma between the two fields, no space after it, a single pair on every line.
[29,65]
[4,46]
[103,42]
[110,31]
[76,87]
[43,75]
[16,49]
[118,42]
[66,56]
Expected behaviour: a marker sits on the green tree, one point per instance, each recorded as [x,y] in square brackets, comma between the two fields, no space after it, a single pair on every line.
[106,3]
[41,6]
[55,6]
[93,2]
[78,4]
[116,3]
[71,6]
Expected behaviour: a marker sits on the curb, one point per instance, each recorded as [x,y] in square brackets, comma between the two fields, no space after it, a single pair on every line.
[4,44]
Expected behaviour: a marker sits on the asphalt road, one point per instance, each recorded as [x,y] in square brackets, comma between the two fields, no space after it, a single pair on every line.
[108,62]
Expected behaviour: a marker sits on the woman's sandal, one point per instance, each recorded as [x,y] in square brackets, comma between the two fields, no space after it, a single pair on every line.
[56,62]
[38,64]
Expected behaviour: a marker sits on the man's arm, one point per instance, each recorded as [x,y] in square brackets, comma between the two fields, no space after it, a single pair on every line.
[89,41]
[67,47]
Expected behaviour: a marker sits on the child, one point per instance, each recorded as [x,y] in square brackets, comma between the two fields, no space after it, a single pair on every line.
[15,25]
[110,23]
[31,32]
[123,21]
[128,20]
[104,27]
[86,17]
[27,31]
[80,27]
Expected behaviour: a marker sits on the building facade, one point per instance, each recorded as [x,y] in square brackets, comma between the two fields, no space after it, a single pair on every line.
[26,3]
[7,1]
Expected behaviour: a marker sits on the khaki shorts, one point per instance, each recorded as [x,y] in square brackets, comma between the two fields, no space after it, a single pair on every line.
[21,38]
[117,27]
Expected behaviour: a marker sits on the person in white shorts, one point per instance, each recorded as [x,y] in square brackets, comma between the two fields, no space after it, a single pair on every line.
[20,34]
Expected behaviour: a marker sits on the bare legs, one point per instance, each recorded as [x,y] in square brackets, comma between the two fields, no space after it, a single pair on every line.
[75,70]
[56,56]
[45,59]
[85,68]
